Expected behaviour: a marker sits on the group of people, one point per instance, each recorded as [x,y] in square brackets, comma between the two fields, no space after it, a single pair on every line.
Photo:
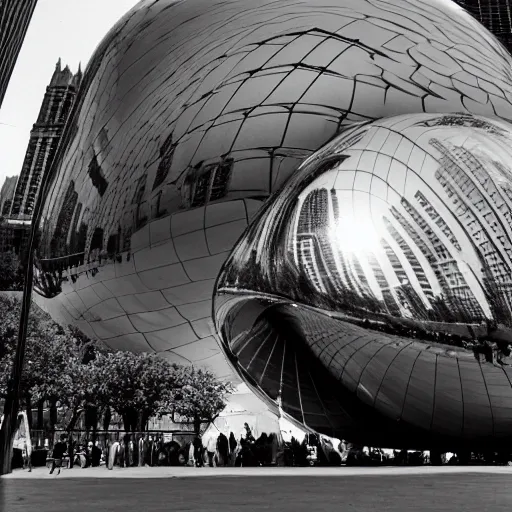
[211,450]
[83,455]
[247,451]
[222,450]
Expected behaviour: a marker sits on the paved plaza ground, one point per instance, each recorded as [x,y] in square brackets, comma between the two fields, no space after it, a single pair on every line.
[417,489]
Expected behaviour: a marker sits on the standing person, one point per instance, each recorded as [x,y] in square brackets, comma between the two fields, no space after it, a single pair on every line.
[198,451]
[223,450]
[58,454]
[232,448]
[95,455]
[211,446]
[27,455]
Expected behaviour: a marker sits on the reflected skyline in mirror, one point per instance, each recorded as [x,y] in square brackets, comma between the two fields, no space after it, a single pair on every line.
[392,242]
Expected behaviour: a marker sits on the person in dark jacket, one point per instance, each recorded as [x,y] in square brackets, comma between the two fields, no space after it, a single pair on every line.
[59,450]
[223,450]
[198,452]
[232,449]
[95,456]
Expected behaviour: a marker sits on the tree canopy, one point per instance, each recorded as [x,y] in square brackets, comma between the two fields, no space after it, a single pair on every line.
[200,396]
[136,386]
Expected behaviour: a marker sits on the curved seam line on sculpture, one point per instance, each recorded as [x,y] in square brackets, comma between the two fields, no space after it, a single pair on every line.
[341,373]
[488,397]
[506,375]
[117,297]
[280,394]
[338,350]
[106,340]
[148,343]
[136,331]
[408,343]
[268,361]
[125,314]
[434,393]
[266,98]
[258,350]
[231,98]
[299,393]
[372,357]
[326,414]
[463,421]
[172,350]
[407,386]
[250,338]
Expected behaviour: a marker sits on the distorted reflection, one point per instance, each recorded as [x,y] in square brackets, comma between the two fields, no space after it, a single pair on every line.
[394,239]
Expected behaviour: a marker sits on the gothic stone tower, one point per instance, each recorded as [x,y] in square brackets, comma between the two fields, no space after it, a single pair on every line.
[44,140]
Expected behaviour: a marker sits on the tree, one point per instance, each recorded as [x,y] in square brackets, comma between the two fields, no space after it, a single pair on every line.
[75,389]
[199,396]
[42,356]
[51,353]
[53,362]
[135,385]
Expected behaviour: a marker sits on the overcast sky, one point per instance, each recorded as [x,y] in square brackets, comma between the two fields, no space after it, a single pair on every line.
[70,29]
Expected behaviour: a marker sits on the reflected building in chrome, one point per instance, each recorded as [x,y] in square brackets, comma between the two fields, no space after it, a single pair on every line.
[418,341]
[276,192]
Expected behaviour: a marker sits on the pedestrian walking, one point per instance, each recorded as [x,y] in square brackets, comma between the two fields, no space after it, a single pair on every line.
[59,450]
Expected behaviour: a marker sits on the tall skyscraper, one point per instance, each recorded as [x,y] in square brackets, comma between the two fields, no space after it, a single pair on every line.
[44,139]
[15,16]
[7,194]
[495,15]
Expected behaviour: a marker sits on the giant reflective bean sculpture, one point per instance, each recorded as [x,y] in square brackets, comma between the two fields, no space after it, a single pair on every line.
[193,113]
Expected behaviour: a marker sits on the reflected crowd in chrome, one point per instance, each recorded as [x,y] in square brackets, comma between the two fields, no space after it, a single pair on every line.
[330,177]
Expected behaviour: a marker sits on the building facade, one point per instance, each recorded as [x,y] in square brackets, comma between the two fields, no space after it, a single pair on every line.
[7,195]
[44,140]
[15,16]
[21,192]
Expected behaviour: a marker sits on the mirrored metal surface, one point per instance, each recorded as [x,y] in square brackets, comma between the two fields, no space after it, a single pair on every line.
[192,113]
[387,259]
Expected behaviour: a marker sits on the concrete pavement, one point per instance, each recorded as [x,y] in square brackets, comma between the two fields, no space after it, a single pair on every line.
[192,472]
[256,489]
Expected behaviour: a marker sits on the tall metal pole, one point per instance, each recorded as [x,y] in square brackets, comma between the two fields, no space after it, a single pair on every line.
[12,400]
